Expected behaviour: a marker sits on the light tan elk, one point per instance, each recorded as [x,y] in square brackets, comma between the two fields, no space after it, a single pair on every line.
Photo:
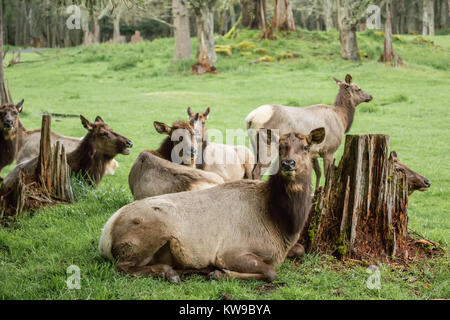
[243,228]
[100,145]
[230,162]
[337,119]
[154,174]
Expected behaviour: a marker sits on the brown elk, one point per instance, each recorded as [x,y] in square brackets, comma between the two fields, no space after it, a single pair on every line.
[100,145]
[230,162]
[243,228]
[11,133]
[337,119]
[415,180]
[153,173]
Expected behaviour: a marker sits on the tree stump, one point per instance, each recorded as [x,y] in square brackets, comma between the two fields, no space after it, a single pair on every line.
[42,181]
[362,211]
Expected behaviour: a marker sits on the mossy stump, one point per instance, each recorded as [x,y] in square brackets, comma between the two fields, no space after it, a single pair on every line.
[39,182]
[362,211]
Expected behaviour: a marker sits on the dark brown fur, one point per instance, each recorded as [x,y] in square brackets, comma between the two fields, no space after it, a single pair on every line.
[97,148]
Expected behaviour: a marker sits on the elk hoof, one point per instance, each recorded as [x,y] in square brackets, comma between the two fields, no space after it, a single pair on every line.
[175,279]
[215,275]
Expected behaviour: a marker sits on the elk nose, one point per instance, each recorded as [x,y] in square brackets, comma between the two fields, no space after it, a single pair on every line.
[193,152]
[288,164]
[8,123]
[369,98]
[129,144]
[427,183]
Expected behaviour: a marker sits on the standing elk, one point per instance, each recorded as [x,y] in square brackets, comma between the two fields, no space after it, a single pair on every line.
[100,145]
[153,173]
[243,228]
[337,120]
[230,162]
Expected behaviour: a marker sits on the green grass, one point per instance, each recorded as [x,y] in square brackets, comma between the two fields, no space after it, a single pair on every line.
[130,86]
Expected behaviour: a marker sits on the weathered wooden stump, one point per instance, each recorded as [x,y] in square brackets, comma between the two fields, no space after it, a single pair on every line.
[44,180]
[362,211]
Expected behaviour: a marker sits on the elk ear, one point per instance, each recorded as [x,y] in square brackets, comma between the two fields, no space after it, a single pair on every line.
[206,113]
[189,112]
[393,155]
[337,80]
[19,106]
[316,136]
[99,119]
[85,122]
[162,128]
[348,79]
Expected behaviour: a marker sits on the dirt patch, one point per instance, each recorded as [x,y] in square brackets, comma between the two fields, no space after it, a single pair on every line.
[269,287]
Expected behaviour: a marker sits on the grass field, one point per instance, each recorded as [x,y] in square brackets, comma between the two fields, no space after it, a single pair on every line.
[130,86]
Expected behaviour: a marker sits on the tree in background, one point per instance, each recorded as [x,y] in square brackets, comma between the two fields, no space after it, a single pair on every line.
[4,98]
[428,18]
[206,53]
[388,53]
[253,14]
[182,35]
[283,18]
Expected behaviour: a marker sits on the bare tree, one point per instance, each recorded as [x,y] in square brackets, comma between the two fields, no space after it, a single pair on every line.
[347,30]
[4,98]
[283,18]
[182,36]
[428,18]
[253,14]
[388,54]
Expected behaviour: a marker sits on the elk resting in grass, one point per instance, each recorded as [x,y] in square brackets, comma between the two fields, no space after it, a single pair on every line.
[242,229]
[154,174]
[230,162]
[337,120]
[98,148]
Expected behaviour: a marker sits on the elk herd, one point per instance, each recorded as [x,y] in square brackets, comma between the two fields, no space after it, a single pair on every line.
[194,212]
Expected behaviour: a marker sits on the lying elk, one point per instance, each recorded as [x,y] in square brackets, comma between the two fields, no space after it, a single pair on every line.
[17,143]
[244,228]
[154,174]
[230,162]
[337,120]
[415,182]
[100,145]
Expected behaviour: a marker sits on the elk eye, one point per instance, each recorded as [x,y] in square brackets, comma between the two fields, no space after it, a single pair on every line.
[306,148]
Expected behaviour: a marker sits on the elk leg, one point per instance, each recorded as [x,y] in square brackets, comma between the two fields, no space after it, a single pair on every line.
[317,171]
[296,251]
[327,162]
[244,266]
[157,270]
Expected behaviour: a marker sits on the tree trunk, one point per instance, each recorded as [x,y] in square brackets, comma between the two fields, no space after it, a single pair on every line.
[347,32]
[283,18]
[388,54]
[253,14]
[428,18]
[182,36]
[4,98]
[206,52]
[117,38]
[40,183]
[362,211]
[328,14]
[96,33]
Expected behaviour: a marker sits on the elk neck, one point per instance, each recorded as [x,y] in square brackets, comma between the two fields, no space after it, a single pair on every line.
[345,108]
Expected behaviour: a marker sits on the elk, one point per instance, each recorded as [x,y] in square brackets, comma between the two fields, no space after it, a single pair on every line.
[415,180]
[11,133]
[230,162]
[337,120]
[243,229]
[100,145]
[153,173]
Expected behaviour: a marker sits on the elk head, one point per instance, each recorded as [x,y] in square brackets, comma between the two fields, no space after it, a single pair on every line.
[104,140]
[415,181]
[351,92]
[180,146]
[9,119]
[198,121]
[294,152]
